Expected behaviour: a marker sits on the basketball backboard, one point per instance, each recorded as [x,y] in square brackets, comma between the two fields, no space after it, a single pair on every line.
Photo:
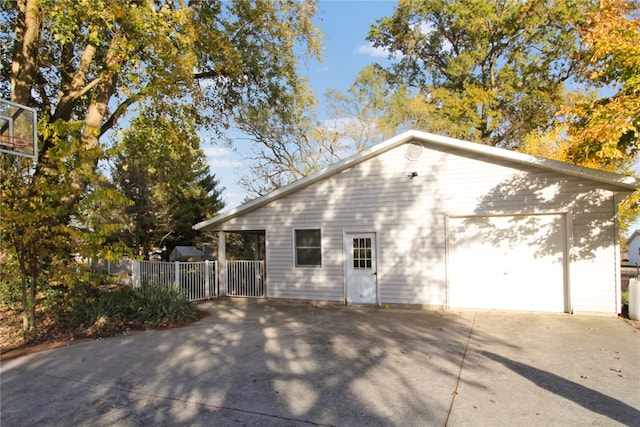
[18,129]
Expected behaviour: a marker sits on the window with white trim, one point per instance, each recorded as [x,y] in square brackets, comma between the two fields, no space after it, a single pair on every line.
[308,248]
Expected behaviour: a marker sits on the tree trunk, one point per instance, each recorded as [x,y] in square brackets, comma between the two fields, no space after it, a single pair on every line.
[24,67]
[25,305]
[32,300]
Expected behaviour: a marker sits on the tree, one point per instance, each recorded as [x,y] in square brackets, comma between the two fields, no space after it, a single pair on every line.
[487,71]
[90,61]
[601,128]
[83,65]
[290,151]
[161,171]
[605,130]
[285,151]
[31,233]
[358,117]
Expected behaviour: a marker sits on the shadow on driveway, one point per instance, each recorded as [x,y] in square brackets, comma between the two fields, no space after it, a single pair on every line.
[273,363]
[589,399]
[250,362]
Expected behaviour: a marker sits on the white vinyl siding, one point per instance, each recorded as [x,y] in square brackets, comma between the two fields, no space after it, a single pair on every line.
[408,215]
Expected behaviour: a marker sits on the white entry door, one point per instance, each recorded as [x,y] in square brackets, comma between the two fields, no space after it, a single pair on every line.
[362,281]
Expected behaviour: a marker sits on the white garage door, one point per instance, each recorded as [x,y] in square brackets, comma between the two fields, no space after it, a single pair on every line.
[507,262]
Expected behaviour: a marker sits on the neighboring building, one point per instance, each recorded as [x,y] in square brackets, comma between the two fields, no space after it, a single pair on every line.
[186,254]
[438,222]
[633,242]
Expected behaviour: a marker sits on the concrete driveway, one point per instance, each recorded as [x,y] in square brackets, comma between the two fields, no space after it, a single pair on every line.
[276,363]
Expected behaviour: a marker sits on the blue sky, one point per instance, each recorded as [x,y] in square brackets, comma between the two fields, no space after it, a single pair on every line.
[345,25]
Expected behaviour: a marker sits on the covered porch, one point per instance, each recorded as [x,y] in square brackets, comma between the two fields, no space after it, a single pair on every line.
[241,258]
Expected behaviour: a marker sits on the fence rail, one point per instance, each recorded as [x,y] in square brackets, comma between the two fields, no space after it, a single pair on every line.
[198,280]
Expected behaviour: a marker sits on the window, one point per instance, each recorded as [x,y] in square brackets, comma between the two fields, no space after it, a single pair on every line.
[308,248]
[362,254]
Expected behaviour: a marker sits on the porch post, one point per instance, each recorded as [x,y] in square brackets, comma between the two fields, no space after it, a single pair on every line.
[207,285]
[256,255]
[222,263]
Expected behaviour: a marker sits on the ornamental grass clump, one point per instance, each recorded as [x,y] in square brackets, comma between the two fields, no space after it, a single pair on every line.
[147,305]
[159,306]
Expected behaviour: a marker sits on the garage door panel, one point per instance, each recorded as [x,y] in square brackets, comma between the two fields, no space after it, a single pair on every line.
[507,262]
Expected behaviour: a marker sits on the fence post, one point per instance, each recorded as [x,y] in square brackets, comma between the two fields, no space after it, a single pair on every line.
[216,283]
[263,288]
[177,277]
[135,273]
[207,291]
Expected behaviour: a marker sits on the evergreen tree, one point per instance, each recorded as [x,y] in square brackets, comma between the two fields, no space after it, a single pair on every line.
[161,171]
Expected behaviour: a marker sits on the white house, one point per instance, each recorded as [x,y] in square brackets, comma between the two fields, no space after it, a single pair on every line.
[633,242]
[438,222]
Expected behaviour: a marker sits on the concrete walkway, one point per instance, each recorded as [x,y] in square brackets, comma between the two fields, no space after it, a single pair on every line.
[275,363]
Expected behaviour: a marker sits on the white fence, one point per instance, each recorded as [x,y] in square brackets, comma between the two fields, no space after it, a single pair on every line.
[198,280]
[245,278]
[123,267]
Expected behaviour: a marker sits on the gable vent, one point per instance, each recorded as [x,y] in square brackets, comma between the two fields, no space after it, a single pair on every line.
[413,151]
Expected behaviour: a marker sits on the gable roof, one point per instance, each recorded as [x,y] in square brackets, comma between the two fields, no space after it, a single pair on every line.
[186,251]
[624,182]
[635,234]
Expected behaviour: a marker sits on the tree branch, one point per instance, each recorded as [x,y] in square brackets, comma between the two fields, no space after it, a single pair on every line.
[76,88]
[120,111]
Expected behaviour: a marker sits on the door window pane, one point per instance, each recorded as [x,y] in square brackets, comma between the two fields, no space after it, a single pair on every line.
[362,254]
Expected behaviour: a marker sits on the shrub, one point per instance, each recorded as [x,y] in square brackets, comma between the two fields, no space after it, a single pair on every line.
[625,298]
[151,305]
[10,294]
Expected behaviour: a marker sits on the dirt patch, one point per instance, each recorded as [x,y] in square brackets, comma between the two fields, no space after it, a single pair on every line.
[37,348]
[51,334]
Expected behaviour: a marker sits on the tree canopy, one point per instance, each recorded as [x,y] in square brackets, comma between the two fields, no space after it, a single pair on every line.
[92,60]
[356,120]
[604,127]
[486,71]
